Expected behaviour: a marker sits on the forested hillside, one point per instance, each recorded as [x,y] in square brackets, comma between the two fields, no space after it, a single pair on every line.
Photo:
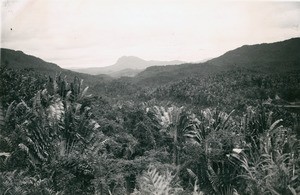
[20,61]
[188,129]
[267,58]
[271,58]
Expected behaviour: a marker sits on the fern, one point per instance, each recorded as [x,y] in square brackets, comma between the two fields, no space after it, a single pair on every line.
[154,183]
[19,183]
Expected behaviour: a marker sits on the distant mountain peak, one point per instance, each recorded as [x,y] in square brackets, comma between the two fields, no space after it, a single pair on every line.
[129,59]
[127,66]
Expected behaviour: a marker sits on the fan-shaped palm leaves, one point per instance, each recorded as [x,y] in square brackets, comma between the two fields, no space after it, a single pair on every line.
[213,136]
[203,132]
[173,120]
[271,166]
[152,182]
[18,183]
[54,123]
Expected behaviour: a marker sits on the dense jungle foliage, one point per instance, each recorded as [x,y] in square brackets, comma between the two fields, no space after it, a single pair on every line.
[227,133]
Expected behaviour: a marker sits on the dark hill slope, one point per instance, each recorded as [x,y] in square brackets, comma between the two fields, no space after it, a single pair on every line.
[19,60]
[272,57]
[157,75]
[276,57]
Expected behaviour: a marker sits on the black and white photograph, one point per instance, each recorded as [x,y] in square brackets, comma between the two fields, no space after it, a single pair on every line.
[150,97]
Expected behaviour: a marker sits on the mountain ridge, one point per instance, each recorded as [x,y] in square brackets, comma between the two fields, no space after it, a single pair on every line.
[19,60]
[267,57]
[132,64]
[277,57]
[16,59]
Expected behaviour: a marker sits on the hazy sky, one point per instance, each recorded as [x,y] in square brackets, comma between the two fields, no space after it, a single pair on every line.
[82,33]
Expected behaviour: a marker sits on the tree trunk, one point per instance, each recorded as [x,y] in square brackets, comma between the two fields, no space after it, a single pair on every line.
[101,188]
[130,184]
[175,149]
[1,116]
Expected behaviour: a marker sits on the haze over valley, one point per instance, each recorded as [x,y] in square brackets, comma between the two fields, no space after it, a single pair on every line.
[126,66]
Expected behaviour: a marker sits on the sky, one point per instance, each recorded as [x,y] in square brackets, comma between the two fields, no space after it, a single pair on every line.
[95,33]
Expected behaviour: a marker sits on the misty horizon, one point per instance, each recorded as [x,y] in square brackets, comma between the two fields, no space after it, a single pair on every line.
[80,34]
[147,60]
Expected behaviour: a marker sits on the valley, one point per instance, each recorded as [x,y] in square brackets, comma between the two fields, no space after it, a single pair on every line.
[230,125]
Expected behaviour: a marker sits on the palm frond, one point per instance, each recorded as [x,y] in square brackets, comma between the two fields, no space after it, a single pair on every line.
[152,182]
